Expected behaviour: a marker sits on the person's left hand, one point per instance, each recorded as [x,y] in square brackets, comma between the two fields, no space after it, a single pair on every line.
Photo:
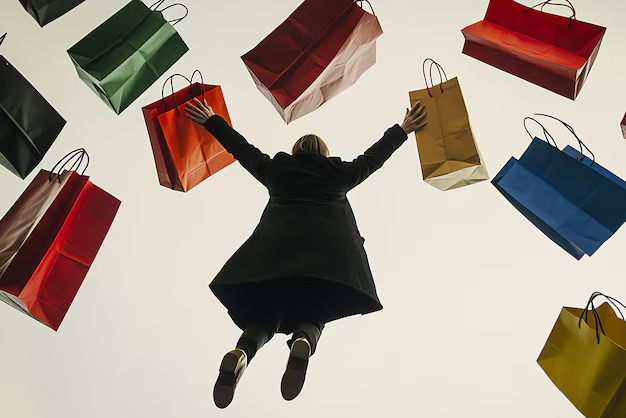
[199,113]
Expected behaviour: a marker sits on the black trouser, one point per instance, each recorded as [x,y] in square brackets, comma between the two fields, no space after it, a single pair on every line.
[258,333]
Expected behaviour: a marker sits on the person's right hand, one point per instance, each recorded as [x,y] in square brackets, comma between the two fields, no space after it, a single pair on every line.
[414,120]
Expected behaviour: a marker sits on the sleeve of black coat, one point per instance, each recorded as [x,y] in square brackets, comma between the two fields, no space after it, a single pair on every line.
[249,156]
[356,171]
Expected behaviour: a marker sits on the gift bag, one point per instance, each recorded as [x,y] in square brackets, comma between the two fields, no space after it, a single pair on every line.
[49,239]
[29,125]
[623,126]
[45,11]
[554,52]
[122,57]
[585,357]
[184,152]
[571,198]
[448,153]
[318,52]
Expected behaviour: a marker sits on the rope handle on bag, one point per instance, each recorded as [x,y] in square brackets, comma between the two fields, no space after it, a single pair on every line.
[545,132]
[175,21]
[581,144]
[366,1]
[2,37]
[69,156]
[439,69]
[171,80]
[614,302]
[569,5]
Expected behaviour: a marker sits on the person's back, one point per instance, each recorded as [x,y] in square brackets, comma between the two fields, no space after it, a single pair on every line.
[304,264]
[305,176]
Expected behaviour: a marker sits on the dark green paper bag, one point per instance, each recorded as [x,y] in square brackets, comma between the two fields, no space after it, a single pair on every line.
[123,56]
[46,11]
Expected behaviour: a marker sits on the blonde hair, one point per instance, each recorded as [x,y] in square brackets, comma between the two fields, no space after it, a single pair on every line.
[311,143]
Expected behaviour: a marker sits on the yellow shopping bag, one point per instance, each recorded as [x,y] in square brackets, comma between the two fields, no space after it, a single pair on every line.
[585,357]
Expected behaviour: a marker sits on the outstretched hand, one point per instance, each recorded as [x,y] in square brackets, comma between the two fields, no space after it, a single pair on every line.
[199,113]
[414,120]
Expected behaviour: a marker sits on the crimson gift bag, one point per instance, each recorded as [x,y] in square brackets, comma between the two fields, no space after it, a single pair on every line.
[554,52]
[318,52]
[49,239]
[184,152]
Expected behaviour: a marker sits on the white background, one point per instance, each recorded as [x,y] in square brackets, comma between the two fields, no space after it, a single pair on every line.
[471,289]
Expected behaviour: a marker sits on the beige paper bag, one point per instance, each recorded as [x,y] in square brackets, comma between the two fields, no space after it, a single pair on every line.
[448,153]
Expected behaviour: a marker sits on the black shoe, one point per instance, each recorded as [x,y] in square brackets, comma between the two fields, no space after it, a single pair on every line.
[293,379]
[231,370]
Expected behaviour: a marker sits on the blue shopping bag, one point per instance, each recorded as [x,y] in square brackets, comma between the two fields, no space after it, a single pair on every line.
[573,200]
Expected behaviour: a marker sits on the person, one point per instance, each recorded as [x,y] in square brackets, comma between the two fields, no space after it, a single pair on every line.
[304,264]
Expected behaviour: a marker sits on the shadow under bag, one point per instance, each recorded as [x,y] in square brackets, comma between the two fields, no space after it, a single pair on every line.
[571,198]
[29,125]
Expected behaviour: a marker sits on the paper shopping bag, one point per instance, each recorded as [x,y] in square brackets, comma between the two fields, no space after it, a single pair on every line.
[29,125]
[48,241]
[572,199]
[45,11]
[319,51]
[184,152]
[123,56]
[551,51]
[585,357]
[448,153]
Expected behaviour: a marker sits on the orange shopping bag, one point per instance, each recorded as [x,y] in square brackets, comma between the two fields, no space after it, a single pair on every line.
[184,152]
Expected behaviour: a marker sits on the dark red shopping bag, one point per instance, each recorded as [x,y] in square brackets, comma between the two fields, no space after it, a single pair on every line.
[554,52]
[49,239]
[319,51]
[184,152]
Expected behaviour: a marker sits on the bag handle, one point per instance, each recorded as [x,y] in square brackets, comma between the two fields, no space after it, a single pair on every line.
[175,21]
[2,37]
[81,153]
[614,302]
[439,69]
[545,131]
[171,80]
[569,5]
[366,1]
[581,144]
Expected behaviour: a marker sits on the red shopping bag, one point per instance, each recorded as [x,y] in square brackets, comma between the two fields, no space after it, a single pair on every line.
[49,239]
[318,52]
[184,152]
[554,52]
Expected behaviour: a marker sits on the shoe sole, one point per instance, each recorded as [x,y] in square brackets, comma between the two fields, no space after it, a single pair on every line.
[224,389]
[293,379]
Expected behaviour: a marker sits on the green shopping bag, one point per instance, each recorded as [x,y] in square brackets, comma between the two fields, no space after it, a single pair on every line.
[123,56]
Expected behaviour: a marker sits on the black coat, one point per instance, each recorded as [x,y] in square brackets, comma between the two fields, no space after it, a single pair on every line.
[305,260]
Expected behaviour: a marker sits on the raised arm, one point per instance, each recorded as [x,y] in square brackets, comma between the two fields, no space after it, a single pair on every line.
[356,171]
[249,156]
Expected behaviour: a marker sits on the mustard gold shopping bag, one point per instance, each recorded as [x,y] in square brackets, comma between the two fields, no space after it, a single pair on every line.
[585,357]
[448,153]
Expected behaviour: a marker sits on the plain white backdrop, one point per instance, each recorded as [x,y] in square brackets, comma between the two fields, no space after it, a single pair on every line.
[471,289]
